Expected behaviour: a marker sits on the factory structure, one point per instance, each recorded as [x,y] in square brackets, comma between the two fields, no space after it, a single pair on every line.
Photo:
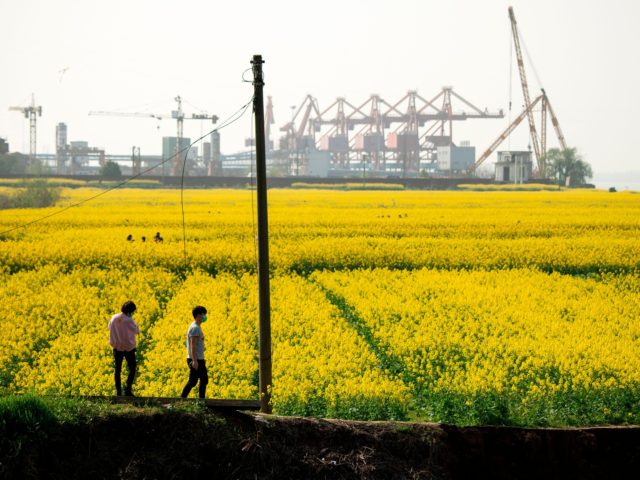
[409,137]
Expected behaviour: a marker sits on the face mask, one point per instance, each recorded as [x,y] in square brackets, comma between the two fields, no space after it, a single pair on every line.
[204,319]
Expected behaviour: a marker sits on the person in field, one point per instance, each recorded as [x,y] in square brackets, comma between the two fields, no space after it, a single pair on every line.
[122,338]
[195,354]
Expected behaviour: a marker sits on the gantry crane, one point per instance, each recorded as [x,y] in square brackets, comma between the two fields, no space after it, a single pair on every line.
[178,115]
[31,112]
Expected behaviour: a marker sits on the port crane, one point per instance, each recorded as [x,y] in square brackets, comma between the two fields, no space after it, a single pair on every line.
[505,134]
[539,146]
[30,112]
[177,115]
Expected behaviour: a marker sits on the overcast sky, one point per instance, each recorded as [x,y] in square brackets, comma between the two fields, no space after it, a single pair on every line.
[137,55]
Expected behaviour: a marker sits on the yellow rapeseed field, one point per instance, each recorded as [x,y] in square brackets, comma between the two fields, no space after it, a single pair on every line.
[468,307]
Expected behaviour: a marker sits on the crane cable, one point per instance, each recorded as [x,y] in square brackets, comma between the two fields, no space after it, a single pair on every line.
[510,86]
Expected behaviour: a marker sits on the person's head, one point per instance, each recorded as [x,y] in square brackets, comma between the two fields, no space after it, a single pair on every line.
[199,313]
[128,307]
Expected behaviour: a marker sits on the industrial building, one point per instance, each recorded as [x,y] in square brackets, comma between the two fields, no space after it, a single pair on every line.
[514,166]
[456,160]
[410,137]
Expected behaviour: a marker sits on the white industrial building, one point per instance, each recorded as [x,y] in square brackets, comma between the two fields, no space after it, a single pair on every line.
[514,166]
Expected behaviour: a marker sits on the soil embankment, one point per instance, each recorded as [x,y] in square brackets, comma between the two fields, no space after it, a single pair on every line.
[238,446]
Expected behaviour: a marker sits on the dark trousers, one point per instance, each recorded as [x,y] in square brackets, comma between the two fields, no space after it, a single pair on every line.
[194,376]
[130,356]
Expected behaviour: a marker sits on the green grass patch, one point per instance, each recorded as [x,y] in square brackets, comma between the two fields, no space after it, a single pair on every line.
[348,186]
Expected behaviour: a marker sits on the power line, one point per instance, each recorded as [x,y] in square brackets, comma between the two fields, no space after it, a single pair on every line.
[226,123]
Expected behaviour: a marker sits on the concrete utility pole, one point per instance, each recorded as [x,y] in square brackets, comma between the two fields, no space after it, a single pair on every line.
[263,239]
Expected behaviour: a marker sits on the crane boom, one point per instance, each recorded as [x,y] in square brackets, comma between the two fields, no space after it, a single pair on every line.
[177,115]
[504,134]
[525,90]
[127,114]
[555,123]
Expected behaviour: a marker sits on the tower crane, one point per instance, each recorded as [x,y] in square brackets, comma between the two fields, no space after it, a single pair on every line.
[268,121]
[178,115]
[31,112]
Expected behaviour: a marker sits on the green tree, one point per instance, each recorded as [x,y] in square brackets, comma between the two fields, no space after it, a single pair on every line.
[567,164]
[13,163]
[33,194]
[111,170]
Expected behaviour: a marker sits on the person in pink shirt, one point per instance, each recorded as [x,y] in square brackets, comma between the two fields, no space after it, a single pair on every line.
[122,337]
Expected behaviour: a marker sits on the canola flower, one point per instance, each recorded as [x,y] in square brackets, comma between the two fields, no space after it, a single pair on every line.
[470,307]
[567,232]
[523,335]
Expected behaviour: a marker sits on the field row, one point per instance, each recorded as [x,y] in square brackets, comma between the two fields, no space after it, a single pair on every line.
[587,255]
[567,232]
[514,346]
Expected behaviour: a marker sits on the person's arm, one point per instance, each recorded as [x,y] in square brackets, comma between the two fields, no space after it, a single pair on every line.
[192,350]
[134,327]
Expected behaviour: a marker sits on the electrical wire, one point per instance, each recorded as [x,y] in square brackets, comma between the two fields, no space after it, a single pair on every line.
[184,227]
[226,123]
[243,73]
[238,114]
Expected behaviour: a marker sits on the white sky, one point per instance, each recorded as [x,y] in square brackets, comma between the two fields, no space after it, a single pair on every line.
[137,55]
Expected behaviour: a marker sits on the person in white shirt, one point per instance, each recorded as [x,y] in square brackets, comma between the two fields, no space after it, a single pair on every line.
[195,354]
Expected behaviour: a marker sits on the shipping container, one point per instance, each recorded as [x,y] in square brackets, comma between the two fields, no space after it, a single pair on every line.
[404,142]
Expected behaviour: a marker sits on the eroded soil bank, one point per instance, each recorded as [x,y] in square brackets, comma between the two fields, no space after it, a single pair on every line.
[246,446]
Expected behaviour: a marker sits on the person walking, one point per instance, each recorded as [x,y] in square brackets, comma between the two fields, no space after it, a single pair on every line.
[195,354]
[122,337]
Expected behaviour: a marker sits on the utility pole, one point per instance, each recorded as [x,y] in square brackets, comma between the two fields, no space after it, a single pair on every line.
[263,240]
